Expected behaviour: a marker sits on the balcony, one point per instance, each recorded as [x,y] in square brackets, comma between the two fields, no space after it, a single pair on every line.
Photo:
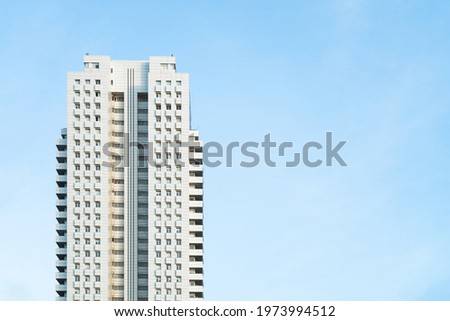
[195,288]
[61,215]
[195,240]
[195,203]
[61,203]
[195,252]
[61,190]
[61,168]
[61,156]
[61,227]
[61,287]
[193,215]
[61,142]
[61,239]
[196,228]
[196,276]
[196,155]
[61,178]
[61,275]
[61,263]
[195,191]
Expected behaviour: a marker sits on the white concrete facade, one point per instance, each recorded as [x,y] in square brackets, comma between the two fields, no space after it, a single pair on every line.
[132,231]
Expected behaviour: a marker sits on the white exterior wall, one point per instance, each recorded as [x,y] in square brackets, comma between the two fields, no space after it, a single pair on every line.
[116,225]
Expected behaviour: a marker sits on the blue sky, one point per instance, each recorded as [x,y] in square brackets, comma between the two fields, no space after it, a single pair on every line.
[375,73]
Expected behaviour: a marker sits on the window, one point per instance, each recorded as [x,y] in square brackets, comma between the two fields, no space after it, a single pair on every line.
[87,81]
[158,254]
[97,241]
[97,94]
[178,107]
[158,119]
[97,204]
[158,83]
[178,242]
[97,106]
[158,242]
[169,107]
[178,254]
[158,107]
[87,254]
[88,204]
[178,82]
[77,204]
[178,291]
[88,106]
[178,266]
[77,93]
[87,93]
[169,94]
[77,266]
[77,81]
[97,167]
[178,95]
[77,106]
[77,278]
[97,254]
[158,94]
[97,81]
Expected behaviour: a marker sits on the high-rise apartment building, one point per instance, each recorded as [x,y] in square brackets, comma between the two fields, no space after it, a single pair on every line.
[129,185]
